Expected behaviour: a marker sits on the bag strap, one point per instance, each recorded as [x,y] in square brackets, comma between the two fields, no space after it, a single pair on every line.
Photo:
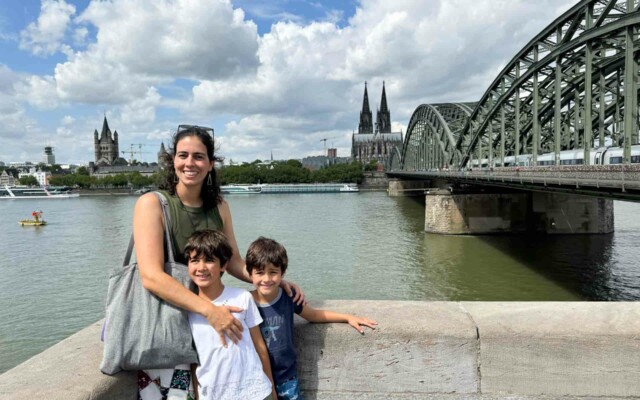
[127,256]
[167,234]
[167,223]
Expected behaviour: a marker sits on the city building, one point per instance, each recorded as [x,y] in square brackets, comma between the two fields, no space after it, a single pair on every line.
[48,157]
[41,176]
[109,163]
[317,162]
[7,179]
[106,147]
[369,144]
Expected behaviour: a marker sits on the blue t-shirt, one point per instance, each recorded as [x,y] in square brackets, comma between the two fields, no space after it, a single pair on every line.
[277,331]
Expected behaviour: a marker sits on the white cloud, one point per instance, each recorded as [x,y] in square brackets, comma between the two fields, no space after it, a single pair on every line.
[68,120]
[291,87]
[44,36]
[191,39]
[141,111]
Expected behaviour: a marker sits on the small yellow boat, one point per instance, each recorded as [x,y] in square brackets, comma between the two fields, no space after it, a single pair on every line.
[36,221]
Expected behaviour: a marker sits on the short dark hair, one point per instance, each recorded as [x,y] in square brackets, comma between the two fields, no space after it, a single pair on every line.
[264,251]
[209,244]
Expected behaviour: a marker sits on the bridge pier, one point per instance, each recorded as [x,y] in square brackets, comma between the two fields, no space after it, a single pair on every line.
[406,188]
[474,213]
[555,213]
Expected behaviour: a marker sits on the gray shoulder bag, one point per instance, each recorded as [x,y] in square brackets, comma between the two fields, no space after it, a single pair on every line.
[141,330]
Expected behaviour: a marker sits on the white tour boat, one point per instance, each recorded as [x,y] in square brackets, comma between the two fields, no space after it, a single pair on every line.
[240,189]
[25,192]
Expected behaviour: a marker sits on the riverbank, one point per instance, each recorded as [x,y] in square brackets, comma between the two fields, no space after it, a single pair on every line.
[432,350]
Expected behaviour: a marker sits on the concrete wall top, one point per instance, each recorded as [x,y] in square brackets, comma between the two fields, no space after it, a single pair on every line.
[438,350]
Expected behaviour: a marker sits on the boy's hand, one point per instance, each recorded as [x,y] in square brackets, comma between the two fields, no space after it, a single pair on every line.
[221,319]
[287,286]
[357,322]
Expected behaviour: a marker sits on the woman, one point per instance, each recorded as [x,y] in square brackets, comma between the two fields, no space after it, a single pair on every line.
[195,203]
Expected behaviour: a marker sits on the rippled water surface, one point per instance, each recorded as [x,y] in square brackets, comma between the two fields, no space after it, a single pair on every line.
[341,246]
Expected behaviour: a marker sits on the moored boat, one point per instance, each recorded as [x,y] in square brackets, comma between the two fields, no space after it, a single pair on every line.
[310,188]
[240,189]
[25,192]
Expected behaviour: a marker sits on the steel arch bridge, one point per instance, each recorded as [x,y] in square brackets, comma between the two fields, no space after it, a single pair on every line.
[572,87]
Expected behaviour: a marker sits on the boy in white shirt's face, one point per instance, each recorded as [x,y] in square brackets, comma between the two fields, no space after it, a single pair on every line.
[236,370]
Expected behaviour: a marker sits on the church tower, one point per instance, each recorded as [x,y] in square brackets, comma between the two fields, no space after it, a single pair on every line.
[383,117]
[106,147]
[161,154]
[366,123]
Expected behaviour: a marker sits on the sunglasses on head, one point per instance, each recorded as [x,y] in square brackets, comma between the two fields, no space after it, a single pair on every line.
[182,128]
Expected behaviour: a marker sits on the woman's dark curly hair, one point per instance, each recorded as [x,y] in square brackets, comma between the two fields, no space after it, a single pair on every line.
[211,195]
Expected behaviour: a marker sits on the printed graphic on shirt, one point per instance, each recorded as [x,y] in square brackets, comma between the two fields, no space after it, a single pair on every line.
[270,330]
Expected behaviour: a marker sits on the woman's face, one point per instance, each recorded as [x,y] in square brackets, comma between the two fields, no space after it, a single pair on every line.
[191,162]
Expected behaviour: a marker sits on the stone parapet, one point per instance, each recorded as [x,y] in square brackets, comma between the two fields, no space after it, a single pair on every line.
[421,350]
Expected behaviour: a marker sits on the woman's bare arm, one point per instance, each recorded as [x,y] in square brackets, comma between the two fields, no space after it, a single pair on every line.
[148,233]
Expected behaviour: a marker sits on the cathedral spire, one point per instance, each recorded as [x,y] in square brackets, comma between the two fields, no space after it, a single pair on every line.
[106,132]
[366,123]
[383,117]
[383,103]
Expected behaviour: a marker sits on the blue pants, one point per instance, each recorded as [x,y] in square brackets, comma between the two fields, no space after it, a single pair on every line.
[289,390]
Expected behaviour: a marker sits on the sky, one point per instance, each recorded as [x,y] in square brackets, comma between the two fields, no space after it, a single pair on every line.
[271,77]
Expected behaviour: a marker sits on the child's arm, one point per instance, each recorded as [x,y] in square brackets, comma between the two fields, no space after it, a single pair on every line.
[263,353]
[194,381]
[313,315]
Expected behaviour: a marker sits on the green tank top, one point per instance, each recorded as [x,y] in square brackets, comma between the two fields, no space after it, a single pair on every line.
[186,220]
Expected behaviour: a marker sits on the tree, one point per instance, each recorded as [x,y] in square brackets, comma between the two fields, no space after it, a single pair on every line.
[29,181]
[82,171]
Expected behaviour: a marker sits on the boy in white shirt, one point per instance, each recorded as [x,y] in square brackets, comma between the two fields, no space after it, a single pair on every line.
[239,370]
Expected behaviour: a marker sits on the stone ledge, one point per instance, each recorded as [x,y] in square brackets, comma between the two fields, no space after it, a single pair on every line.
[422,350]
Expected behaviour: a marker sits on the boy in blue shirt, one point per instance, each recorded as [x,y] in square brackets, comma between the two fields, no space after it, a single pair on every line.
[266,262]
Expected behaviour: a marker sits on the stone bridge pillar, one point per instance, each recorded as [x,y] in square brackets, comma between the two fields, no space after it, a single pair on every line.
[515,212]
[475,213]
[555,213]
[400,188]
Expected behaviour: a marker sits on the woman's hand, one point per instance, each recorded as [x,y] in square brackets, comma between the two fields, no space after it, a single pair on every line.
[221,319]
[288,286]
[357,322]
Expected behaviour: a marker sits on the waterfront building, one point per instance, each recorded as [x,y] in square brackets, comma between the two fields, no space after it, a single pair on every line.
[109,163]
[41,176]
[317,162]
[369,144]
[48,157]
[106,147]
[7,179]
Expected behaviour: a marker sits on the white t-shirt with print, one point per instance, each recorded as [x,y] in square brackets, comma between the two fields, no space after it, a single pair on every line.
[234,372]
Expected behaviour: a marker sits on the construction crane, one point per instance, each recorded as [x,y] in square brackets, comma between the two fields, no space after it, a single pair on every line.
[131,151]
[325,144]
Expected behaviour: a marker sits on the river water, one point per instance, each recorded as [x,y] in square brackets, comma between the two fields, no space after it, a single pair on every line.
[367,245]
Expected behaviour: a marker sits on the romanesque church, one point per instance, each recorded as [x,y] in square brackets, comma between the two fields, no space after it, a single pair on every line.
[369,144]
[106,147]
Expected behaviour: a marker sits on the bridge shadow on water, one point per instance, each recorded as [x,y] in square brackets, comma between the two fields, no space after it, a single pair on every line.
[516,267]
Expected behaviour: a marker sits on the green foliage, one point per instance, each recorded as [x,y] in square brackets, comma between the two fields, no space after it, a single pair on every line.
[133,180]
[371,166]
[29,181]
[82,171]
[290,171]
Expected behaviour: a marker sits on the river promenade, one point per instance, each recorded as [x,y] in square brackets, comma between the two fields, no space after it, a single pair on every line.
[421,350]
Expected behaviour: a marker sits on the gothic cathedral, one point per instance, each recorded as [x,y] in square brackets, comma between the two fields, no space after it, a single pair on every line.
[369,144]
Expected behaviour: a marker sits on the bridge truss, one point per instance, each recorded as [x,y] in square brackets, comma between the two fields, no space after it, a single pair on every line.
[572,87]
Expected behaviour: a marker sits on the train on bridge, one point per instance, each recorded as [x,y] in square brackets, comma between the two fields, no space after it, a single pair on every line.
[598,156]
